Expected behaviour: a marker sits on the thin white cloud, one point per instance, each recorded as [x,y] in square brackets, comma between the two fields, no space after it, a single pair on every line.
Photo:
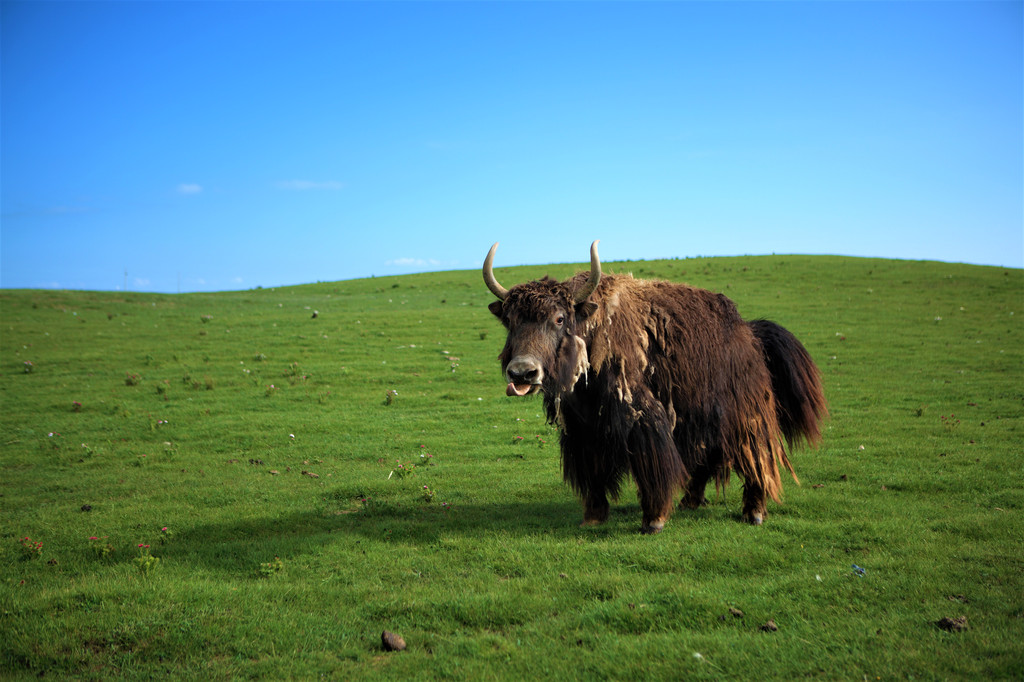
[189,188]
[305,185]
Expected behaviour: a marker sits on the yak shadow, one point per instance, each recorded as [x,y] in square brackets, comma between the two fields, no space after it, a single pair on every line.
[244,544]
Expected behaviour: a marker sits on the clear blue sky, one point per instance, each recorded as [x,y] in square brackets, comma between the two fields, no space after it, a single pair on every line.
[241,144]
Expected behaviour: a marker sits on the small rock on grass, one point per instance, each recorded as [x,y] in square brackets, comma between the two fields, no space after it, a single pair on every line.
[391,642]
[769,626]
[953,624]
[733,611]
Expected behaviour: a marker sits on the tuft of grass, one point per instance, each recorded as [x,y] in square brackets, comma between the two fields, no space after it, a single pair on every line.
[396,487]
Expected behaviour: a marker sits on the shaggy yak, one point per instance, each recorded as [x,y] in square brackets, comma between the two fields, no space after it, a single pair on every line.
[659,380]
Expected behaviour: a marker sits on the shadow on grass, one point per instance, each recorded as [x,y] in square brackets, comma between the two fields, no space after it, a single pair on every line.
[342,520]
[229,546]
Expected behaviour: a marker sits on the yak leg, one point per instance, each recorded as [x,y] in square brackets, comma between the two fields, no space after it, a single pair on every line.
[605,480]
[595,509]
[591,469]
[656,501]
[656,466]
[693,496]
[760,476]
[654,517]
[755,507]
[593,475]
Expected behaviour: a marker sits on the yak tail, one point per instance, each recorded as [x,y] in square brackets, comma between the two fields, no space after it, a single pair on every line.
[796,382]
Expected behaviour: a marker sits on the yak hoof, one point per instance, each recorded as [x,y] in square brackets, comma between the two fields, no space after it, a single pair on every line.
[754,518]
[595,516]
[596,519]
[652,528]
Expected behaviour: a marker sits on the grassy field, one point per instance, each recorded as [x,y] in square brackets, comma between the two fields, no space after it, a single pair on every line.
[224,485]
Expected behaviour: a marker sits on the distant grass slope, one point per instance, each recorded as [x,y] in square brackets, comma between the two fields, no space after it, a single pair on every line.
[323,479]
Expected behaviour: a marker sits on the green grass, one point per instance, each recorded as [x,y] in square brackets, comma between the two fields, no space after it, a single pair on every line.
[918,482]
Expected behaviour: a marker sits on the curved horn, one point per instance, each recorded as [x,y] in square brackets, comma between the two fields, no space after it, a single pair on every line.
[492,284]
[595,275]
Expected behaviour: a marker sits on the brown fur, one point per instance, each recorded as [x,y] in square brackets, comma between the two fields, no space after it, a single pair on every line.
[664,382]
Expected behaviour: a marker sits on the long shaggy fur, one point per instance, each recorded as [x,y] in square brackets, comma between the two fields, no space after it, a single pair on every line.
[665,382]
[799,400]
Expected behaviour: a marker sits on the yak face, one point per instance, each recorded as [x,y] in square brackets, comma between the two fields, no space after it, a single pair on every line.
[542,350]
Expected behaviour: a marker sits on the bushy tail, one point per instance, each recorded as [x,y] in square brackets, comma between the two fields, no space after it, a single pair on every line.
[799,398]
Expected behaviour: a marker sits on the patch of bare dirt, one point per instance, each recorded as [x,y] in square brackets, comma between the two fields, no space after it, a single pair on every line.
[948,624]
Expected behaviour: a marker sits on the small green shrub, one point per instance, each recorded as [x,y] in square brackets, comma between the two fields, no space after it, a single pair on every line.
[271,567]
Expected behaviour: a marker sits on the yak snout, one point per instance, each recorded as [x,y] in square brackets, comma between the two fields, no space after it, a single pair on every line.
[524,375]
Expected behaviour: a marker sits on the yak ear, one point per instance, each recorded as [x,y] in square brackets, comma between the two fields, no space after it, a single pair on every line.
[585,310]
[495,308]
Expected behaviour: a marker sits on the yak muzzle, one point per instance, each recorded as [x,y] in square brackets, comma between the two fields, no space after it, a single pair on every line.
[524,376]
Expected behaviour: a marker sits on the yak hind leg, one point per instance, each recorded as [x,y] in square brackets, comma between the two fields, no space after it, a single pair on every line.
[757,460]
[755,503]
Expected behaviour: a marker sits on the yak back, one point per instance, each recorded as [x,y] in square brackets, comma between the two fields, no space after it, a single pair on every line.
[650,327]
[685,355]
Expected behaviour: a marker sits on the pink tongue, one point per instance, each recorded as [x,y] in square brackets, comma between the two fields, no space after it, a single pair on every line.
[513,389]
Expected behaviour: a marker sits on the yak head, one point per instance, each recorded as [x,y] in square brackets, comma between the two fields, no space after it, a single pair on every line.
[543,350]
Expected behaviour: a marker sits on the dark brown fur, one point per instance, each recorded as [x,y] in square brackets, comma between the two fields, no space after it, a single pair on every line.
[664,382]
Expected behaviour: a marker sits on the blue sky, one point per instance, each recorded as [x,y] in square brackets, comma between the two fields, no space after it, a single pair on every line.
[210,146]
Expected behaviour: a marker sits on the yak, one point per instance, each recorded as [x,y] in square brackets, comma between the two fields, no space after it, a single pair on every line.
[661,381]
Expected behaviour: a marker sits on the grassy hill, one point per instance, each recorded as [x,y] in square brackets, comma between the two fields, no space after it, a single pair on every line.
[224,485]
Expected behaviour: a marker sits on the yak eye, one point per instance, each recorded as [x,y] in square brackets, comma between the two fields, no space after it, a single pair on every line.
[559,320]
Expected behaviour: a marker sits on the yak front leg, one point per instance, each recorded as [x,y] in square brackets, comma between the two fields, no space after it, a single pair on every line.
[693,496]
[593,475]
[654,517]
[595,508]
[604,481]
[654,462]
[657,476]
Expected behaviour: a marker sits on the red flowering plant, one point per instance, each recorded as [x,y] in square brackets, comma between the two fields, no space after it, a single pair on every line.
[100,546]
[165,535]
[30,549]
[146,561]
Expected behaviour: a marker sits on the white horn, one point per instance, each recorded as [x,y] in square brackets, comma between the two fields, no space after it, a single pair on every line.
[492,283]
[595,275]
